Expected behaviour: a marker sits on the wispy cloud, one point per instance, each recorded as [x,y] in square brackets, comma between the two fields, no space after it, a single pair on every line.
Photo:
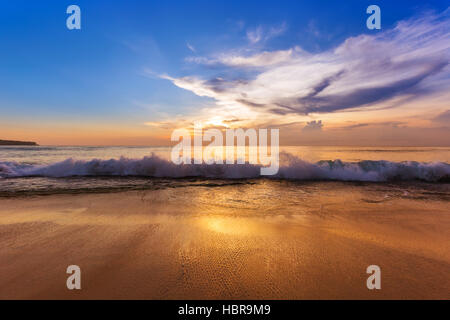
[262,34]
[190,47]
[313,29]
[409,60]
[443,117]
[261,59]
[393,124]
[255,35]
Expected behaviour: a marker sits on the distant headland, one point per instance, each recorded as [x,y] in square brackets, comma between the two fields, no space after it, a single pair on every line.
[17,143]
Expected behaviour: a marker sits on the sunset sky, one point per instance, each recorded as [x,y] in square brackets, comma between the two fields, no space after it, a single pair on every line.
[140,69]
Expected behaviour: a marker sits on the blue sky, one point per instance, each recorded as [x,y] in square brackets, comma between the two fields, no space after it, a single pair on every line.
[112,71]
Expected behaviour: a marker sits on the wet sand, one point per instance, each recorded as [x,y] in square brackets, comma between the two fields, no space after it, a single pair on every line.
[232,242]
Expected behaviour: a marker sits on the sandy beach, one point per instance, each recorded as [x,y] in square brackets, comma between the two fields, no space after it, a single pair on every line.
[228,242]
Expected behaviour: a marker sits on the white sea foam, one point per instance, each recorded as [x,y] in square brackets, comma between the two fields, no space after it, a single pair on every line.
[291,168]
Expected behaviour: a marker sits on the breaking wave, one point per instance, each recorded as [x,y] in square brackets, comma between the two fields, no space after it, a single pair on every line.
[291,167]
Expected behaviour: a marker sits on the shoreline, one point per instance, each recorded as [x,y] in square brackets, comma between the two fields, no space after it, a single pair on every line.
[16,187]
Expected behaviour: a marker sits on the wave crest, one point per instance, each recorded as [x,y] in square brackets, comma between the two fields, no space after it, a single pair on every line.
[291,167]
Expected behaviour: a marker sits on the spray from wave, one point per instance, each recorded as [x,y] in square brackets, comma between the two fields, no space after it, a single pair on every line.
[291,168]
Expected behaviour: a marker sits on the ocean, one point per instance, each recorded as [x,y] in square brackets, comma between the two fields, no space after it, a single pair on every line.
[54,169]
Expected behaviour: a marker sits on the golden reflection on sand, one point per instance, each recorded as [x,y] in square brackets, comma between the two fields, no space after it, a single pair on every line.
[279,241]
